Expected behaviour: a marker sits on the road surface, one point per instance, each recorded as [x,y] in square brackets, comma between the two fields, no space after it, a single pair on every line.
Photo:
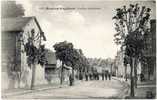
[81,90]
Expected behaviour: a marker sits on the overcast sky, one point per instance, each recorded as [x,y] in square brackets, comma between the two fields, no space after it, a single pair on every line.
[90,30]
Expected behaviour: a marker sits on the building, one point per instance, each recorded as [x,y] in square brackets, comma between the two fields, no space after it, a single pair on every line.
[118,65]
[15,70]
[51,66]
[53,69]
[149,67]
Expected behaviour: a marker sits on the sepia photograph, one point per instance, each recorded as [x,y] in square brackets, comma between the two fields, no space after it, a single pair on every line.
[82,49]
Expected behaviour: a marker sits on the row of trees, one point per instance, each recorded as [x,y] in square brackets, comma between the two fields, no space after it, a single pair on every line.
[132,24]
[100,62]
[70,56]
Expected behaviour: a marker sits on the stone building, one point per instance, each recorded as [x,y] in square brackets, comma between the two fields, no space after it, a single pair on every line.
[15,70]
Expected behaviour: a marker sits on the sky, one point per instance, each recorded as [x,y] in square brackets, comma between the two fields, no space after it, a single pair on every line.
[91,30]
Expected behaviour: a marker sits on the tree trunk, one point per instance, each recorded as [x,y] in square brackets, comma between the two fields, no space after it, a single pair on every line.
[72,76]
[126,78]
[33,75]
[132,94]
[135,72]
[61,79]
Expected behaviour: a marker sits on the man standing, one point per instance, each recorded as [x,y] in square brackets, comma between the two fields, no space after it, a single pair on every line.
[106,74]
[71,80]
[90,76]
[102,75]
[109,76]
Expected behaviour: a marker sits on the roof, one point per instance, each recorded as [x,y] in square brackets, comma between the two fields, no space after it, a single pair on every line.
[51,57]
[14,24]
[17,24]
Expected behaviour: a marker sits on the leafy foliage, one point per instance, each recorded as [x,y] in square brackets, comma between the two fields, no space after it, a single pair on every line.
[69,55]
[42,60]
[35,55]
[31,52]
[132,24]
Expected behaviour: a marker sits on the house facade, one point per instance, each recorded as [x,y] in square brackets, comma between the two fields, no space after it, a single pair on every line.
[15,70]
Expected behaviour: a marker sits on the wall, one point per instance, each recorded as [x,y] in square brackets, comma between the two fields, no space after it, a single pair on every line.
[10,71]
[8,48]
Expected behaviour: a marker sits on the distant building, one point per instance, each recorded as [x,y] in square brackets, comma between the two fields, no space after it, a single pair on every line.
[51,60]
[51,66]
[149,67]
[15,70]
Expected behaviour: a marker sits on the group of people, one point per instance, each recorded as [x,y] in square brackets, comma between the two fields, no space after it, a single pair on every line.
[96,75]
[107,75]
[91,76]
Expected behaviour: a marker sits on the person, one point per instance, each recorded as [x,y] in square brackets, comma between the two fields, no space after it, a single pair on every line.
[90,76]
[86,75]
[106,73]
[71,80]
[93,75]
[80,76]
[142,77]
[97,76]
[102,75]
[109,76]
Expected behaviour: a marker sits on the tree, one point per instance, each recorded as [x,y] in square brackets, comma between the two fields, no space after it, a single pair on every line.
[11,9]
[67,54]
[131,25]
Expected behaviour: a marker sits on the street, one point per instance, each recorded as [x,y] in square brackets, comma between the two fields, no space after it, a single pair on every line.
[83,89]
